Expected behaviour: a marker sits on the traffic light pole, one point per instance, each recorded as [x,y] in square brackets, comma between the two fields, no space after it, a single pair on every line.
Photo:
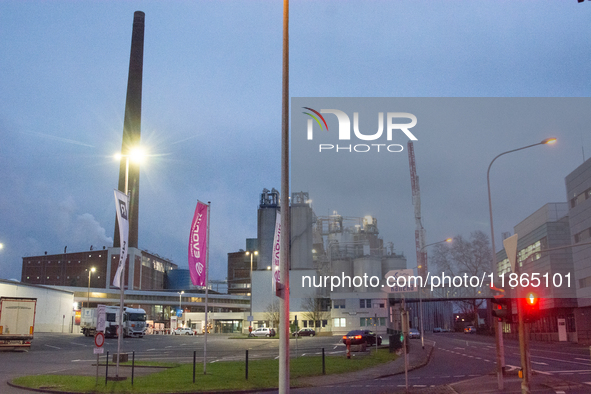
[524,349]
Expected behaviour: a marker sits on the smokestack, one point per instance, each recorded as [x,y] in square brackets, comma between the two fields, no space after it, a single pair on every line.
[132,128]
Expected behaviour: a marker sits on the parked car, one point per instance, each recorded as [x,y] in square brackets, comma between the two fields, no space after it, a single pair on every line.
[304,332]
[470,330]
[414,333]
[263,332]
[358,337]
[437,329]
[184,331]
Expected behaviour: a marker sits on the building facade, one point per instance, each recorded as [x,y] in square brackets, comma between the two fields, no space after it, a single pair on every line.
[578,195]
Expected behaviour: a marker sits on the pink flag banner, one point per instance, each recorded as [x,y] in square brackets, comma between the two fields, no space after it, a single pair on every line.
[198,245]
[276,252]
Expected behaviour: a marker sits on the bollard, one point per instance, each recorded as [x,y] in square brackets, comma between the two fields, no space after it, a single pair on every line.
[323,365]
[107,370]
[348,348]
[132,365]
[246,364]
[194,358]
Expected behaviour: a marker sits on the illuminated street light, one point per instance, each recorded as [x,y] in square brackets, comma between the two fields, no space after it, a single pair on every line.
[256,252]
[180,295]
[90,271]
[136,155]
[498,332]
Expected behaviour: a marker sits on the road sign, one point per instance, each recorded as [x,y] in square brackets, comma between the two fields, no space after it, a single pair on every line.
[249,318]
[99,339]
[510,245]
[99,350]
[101,318]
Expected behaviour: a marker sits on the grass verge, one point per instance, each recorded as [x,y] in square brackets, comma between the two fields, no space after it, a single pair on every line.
[228,375]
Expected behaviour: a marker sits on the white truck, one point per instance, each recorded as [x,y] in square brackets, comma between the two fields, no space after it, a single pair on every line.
[134,321]
[17,322]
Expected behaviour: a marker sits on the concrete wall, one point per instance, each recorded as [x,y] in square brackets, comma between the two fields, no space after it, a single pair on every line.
[54,307]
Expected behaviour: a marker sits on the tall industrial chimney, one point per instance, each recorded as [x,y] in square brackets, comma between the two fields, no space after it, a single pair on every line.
[132,128]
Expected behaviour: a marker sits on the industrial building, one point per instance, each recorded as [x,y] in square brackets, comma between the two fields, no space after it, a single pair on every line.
[578,197]
[546,228]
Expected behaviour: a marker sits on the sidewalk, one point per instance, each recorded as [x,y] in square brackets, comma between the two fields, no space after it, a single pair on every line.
[540,383]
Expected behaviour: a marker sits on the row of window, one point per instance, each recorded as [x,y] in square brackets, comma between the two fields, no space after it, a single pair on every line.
[59,262]
[363,303]
[576,200]
[530,252]
[57,277]
[372,321]
[583,235]
[363,321]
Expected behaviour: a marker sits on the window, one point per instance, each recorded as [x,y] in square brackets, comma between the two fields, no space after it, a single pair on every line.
[362,321]
[338,304]
[305,323]
[365,303]
[340,322]
[382,305]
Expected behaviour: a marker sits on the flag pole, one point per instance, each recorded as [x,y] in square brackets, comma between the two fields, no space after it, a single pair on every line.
[206,289]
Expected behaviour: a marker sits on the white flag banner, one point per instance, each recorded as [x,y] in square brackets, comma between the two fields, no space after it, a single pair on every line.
[122,205]
[276,277]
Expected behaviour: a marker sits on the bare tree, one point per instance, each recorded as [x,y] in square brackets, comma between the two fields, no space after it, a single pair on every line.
[471,257]
[315,309]
[272,313]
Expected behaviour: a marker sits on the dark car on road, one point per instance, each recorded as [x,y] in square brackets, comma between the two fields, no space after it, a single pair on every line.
[304,332]
[358,337]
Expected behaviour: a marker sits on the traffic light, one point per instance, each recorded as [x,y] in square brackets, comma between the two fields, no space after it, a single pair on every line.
[501,309]
[531,307]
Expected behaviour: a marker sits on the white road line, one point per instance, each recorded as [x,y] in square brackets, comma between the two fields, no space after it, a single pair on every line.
[573,371]
[589,383]
[582,359]
[537,362]
[562,361]
[54,347]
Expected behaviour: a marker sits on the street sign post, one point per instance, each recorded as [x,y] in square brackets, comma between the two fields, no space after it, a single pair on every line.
[99,341]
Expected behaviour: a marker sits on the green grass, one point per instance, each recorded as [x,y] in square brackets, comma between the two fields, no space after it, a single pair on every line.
[220,376]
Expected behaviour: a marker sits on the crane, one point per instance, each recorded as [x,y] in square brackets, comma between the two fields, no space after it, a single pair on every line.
[416,202]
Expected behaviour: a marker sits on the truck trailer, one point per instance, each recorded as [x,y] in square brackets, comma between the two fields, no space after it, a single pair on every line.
[17,322]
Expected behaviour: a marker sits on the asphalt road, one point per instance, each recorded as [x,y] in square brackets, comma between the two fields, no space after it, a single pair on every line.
[456,357]
[74,354]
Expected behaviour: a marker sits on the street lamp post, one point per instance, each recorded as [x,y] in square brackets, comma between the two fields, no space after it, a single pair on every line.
[422,263]
[256,252]
[180,295]
[498,326]
[89,272]
[136,155]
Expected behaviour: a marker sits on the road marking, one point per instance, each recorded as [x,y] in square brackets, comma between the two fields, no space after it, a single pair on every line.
[149,350]
[77,344]
[573,371]
[562,361]
[537,362]
[488,361]
[459,376]
[582,359]
[589,383]
[54,347]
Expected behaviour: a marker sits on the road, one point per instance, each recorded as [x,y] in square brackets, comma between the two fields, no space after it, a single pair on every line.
[456,357]
[73,353]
